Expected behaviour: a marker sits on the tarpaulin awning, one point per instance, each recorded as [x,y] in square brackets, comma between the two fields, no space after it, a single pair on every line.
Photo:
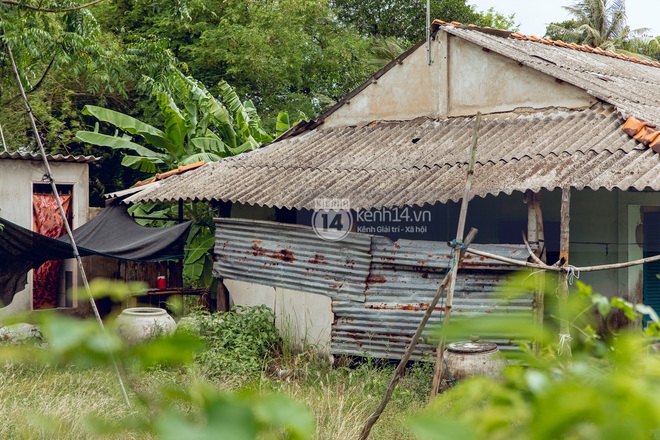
[112,233]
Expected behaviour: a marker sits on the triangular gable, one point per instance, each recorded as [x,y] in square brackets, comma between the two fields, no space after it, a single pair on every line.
[488,70]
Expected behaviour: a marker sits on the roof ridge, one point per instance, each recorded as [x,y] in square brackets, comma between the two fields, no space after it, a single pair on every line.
[519,36]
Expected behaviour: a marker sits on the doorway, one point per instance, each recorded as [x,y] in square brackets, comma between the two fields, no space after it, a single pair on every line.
[50,281]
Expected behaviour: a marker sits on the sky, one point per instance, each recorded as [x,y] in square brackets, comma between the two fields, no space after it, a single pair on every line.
[534,15]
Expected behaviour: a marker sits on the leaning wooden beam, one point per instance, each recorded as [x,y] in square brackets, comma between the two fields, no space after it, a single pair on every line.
[513,261]
[439,369]
[532,253]
[413,343]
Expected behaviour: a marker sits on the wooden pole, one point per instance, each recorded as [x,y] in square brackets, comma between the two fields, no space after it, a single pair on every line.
[222,302]
[536,235]
[564,347]
[413,343]
[439,364]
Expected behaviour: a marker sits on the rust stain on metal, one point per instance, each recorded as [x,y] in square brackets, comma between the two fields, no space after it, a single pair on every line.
[415,307]
[284,255]
[317,259]
[376,279]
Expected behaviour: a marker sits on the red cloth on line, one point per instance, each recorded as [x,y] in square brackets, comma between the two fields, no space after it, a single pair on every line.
[48,221]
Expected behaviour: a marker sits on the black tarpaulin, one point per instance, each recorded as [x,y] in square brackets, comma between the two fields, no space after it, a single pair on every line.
[112,233]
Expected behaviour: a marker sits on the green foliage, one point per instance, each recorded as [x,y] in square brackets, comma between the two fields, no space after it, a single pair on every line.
[196,127]
[196,411]
[497,20]
[602,23]
[608,390]
[290,55]
[406,20]
[238,341]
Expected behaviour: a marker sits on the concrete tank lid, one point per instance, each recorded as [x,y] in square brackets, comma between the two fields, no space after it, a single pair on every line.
[471,347]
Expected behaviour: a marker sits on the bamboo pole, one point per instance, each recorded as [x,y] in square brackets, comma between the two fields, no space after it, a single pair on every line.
[439,364]
[564,347]
[413,343]
[53,186]
[560,269]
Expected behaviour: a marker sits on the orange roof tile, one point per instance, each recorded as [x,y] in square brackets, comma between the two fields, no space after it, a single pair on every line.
[644,132]
[180,170]
[534,38]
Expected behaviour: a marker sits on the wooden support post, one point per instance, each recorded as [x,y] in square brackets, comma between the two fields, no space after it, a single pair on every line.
[222,297]
[536,235]
[413,343]
[439,364]
[562,293]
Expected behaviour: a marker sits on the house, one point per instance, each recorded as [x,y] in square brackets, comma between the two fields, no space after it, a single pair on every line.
[26,200]
[556,117]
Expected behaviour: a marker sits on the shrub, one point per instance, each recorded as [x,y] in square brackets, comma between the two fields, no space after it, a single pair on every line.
[237,341]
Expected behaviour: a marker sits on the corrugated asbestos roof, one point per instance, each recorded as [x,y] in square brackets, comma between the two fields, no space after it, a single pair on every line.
[396,163]
[416,162]
[51,157]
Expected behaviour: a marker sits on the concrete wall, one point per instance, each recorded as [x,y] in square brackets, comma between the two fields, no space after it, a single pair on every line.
[463,79]
[17,178]
[303,318]
[630,208]
[489,82]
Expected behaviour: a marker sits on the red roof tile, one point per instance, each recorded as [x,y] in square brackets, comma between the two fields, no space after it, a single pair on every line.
[644,132]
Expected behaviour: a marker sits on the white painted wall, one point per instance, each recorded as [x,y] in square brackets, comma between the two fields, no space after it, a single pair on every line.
[630,207]
[463,79]
[489,82]
[407,91]
[16,180]
[303,318]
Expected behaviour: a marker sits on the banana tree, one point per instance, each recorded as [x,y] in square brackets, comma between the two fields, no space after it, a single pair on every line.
[202,128]
[197,126]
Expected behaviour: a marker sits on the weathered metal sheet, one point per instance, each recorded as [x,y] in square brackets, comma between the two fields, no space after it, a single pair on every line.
[293,257]
[432,254]
[380,288]
[379,165]
[401,286]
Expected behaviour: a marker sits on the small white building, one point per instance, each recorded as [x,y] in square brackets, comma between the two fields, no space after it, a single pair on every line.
[22,175]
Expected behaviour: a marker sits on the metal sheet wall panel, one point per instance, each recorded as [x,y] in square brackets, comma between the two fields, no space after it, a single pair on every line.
[293,257]
[380,288]
[384,325]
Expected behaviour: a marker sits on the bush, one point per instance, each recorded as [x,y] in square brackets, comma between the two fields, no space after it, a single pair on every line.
[238,341]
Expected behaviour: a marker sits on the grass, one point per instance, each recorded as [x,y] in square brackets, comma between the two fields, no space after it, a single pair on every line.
[56,402]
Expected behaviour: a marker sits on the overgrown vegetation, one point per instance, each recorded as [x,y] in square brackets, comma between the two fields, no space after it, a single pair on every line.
[238,342]
[609,389]
[240,380]
[237,382]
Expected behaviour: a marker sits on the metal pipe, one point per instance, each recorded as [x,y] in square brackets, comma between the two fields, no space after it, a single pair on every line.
[428,32]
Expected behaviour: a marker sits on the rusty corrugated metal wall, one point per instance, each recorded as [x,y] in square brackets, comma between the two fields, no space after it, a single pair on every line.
[380,288]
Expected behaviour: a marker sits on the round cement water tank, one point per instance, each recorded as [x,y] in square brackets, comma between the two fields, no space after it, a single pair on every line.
[468,359]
